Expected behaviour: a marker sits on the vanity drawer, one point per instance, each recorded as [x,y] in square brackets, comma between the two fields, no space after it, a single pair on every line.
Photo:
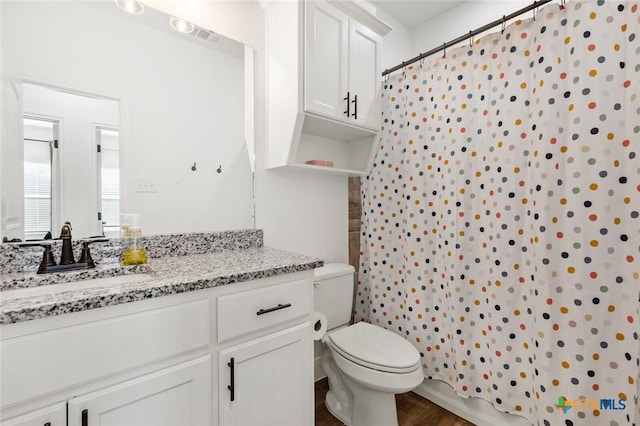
[40,363]
[255,310]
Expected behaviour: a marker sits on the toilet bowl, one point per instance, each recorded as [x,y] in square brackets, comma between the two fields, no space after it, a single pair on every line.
[366,365]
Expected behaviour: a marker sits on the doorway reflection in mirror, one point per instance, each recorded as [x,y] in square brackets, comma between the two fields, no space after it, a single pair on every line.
[71,155]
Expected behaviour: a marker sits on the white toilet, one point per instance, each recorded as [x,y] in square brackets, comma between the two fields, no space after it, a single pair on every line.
[366,365]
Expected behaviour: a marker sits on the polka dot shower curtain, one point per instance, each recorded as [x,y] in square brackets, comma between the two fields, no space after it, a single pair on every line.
[501,226]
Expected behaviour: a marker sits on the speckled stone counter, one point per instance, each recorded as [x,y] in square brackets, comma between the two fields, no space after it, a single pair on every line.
[207,264]
[14,258]
[170,275]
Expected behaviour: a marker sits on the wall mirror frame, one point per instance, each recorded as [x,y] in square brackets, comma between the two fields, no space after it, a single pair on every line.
[185,119]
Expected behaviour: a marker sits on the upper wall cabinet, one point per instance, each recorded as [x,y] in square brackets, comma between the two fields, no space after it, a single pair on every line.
[342,65]
[323,85]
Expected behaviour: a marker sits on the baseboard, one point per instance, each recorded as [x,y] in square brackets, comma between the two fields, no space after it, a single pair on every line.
[475,410]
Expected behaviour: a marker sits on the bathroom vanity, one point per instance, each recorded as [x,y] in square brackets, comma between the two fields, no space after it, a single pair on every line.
[220,337]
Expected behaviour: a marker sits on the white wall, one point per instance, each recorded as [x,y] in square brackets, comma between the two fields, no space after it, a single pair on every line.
[396,45]
[193,114]
[468,16]
[298,211]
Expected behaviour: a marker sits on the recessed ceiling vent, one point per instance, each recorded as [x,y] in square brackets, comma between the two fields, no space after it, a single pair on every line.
[205,35]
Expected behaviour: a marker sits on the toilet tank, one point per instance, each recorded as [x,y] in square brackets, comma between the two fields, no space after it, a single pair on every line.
[333,293]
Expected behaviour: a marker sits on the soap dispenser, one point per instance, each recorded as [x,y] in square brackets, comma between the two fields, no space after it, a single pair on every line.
[134,253]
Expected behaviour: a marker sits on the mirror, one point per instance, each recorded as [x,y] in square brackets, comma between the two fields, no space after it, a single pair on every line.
[183,160]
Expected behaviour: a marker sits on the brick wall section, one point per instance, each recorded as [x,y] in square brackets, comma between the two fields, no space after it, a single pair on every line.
[355,210]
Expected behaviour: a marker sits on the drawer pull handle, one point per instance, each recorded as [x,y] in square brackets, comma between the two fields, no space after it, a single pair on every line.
[348,99]
[232,386]
[85,417]
[275,308]
[355,107]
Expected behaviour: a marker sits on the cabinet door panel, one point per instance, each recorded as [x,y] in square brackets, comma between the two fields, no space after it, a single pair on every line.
[364,73]
[272,380]
[325,59]
[178,395]
[55,415]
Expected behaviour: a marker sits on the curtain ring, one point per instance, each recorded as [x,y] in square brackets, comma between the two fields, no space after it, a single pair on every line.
[444,50]
[562,4]
[504,24]
[404,70]
[421,63]
[471,37]
[535,10]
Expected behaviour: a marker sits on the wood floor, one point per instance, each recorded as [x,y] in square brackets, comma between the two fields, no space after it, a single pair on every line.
[413,410]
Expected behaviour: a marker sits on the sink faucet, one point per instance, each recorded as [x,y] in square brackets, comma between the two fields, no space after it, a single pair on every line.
[66,258]
[67,261]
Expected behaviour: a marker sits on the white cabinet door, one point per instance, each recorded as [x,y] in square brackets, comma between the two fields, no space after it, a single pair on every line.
[178,395]
[55,415]
[326,61]
[364,74]
[268,381]
[342,66]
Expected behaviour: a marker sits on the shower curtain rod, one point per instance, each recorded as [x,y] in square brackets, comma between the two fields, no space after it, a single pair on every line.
[471,34]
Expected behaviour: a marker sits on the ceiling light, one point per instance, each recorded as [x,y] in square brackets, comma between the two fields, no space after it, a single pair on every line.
[131,6]
[181,25]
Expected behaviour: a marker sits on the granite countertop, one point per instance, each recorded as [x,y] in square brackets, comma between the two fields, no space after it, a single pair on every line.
[167,275]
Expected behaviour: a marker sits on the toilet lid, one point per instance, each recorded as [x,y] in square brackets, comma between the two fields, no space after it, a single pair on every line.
[375,347]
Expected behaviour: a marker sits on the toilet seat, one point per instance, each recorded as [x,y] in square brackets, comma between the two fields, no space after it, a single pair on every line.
[376,348]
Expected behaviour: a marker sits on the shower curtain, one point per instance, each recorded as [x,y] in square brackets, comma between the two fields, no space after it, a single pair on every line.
[501,219]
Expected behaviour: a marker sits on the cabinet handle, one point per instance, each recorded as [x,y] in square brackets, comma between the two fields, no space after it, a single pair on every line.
[275,308]
[348,111]
[355,107]
[85,417]
[232,385]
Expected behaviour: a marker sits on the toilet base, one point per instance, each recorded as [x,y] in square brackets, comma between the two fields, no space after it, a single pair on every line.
[355,404]
[372,407]
[339,399]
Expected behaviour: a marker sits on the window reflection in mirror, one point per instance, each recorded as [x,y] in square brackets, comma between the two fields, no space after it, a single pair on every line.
[39,153]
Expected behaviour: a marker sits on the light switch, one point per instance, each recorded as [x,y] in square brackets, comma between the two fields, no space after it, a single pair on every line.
[145,185]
